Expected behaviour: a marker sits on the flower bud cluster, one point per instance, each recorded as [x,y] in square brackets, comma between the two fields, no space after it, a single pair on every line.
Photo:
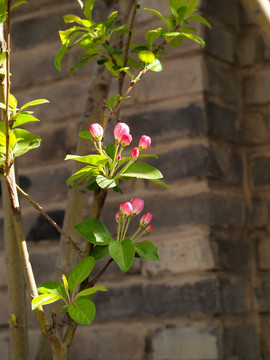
[127,211]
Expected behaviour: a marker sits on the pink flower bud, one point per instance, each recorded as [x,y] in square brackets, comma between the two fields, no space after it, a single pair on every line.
[125,140]
[117,217]
[119,157]
[97,131]
[125,209]
[144,143]
[146,219]
[119,130]
[134,154]
[149,228]
[137,205]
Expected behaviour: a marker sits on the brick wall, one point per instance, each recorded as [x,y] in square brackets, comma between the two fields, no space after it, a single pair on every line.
[208,116]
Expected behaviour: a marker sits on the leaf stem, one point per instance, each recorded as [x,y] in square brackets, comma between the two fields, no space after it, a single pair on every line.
[51,221]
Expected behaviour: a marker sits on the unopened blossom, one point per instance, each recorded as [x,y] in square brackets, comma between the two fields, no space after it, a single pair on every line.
[117,217]
[146,219]
[125,209]
[97,131]
[144,143]
[135,154]
[119,157]
[137,205]
[119,130]
[125,140]
[149,228]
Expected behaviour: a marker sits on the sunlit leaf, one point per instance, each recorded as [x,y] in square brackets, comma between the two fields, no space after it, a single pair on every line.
[80,272]
[82,311]
[94,231]
[44,299]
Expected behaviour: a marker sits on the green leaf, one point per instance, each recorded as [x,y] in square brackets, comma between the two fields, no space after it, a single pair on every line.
[96,160]
[123,253]
[105,183]
[152,35]
[52,287]
[181,13]
[82,311]
[110,150]
[88,7]
[142,171]
[18,3]
[34,103]
[176,41]
[99,252]
[155,66]
[200,19]
[176,4]
[146,56]
[64,308]
[91,291]
[94,231]
[86,135]
[158,14]
[192,6]
[92,184]
[23,118]
[160,182]
[70,18]
[147,250]
[44,299]
[3,57]
[197,39]
[80,272]
[25,142]
[87,170]
[80,63]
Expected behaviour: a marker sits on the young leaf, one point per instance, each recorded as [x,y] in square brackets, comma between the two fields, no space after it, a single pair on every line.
[197,39]
[23,118]
[201,19]
[96,160]
[91,291]
[82,311]
[99,252]
[65,282]
[147,250]
[155,66]
[123,253]
[86,135]
[87,170]
[25,142]
[94,231]
[142,171]
[52,287]
[192,6]
[160,182]
[18,3]
[146,56]
[105,183]
[80,272]
[88,7]
[44,299]
[34,103]
[12,101]
[158,14]
[152,35]
[3,57]
[176,4]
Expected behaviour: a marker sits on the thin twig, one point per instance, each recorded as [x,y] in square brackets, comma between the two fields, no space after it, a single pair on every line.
[40,209]
[8,87]
[102,271]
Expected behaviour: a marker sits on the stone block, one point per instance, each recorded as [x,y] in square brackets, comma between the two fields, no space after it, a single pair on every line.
[255,127]
[180,252]
[264,253]
[257,87]
[250,49]
[241,342]
[222,82]
[260,171]
[186,343]
[263,294]
[222,121]
[258,216]
[235,295]
[220,43]
[109,342]
[194,295]
[224,11]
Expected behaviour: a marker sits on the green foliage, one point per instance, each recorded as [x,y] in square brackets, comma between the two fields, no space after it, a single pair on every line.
[82,311]
[123,253]
[80,272]
[94,231]
[146,250]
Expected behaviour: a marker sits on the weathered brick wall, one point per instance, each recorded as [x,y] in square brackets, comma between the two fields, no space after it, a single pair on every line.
[208,116]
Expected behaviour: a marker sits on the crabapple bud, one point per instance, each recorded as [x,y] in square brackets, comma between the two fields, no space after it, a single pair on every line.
[137,205]
[144,143]
[145,219]
[96,131]
[119,130]
[134,154]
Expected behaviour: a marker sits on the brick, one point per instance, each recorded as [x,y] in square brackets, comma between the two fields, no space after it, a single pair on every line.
[235,295]
[181,252]
[220,43]
[231,250]
[114,342]
[257,87]
[186,343]
[222,121]
[194,296]
[43,263]
[152,4]
[254,129]
[263,294]
[47,183]
[222,10]
[242,342]
[264,253]
[250,49]
[187,79]
[258,215]
[260,171]
[222,82]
